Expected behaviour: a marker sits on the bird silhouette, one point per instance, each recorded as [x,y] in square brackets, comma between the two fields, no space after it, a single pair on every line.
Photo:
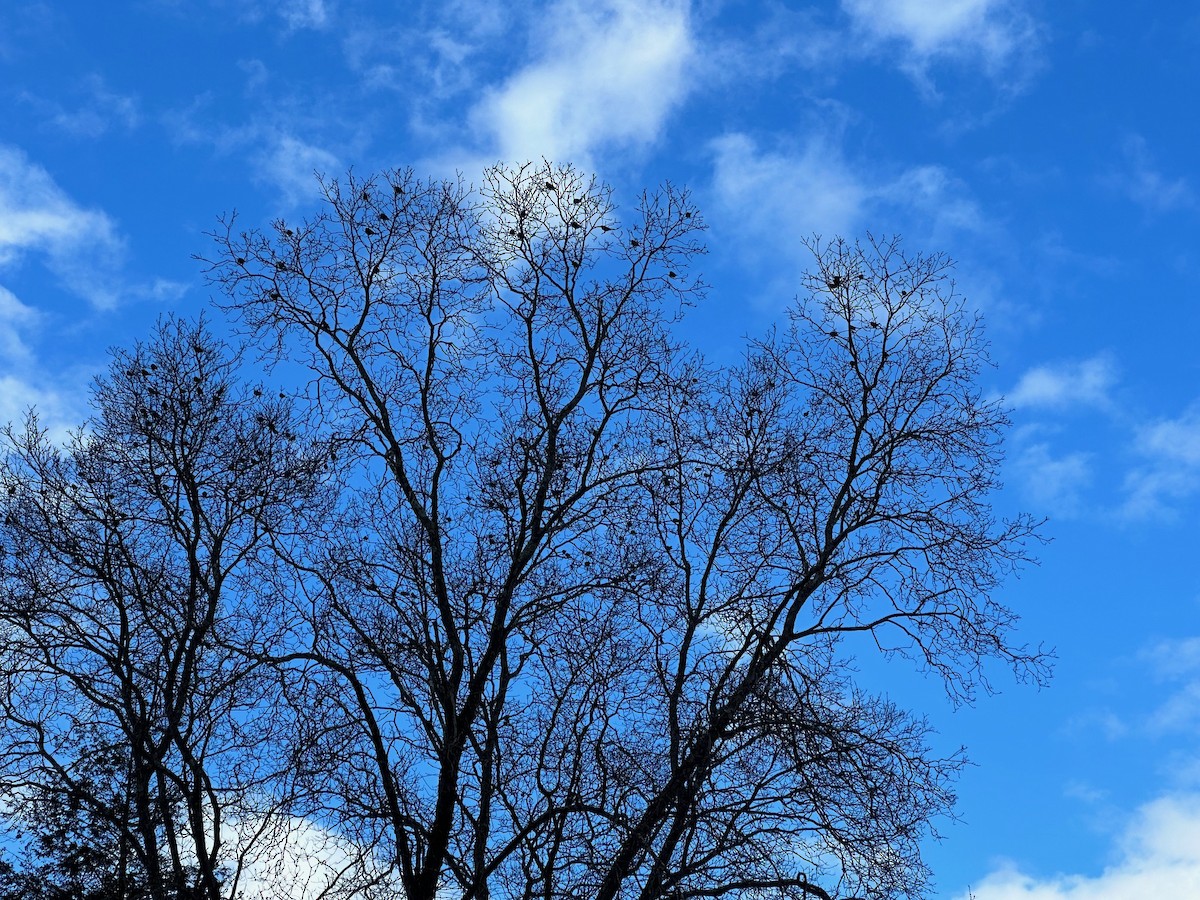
[834,282]
[370,231]
[606,228]
[634,242]
[672,275]
[575,224]
[550,186]
[366,195]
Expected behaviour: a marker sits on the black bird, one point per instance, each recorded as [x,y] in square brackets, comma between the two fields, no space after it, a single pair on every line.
[397,190]
[832,333]
[606,228]
[672,275]
[550,186]
[370,231]
[834,282]
[366,195]
[383,217]
[634,242]
[874,324]
[578,199]
[574,224]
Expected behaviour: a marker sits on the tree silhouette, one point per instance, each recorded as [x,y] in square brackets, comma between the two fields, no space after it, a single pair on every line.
[518,597]
[582,626]
[131,561]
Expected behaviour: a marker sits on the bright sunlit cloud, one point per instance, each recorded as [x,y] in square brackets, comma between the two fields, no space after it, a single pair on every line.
[601,76]
[1158,855]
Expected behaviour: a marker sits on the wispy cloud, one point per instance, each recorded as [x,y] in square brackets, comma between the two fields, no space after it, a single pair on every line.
[291,164]
[771,200]
[1170,471]
[304,13]
[1059,386]
[1143,183]
[996,34]
[1158,855]
[80,246]
[604,76]
[1053,483]
[99,110]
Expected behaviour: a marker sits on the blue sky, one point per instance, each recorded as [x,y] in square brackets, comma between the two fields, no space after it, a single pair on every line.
[1048,147]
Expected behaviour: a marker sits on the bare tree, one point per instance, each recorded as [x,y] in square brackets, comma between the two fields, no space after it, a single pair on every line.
[581,625]
[132,563]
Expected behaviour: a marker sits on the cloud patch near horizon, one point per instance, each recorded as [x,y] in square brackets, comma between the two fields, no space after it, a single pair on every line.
[1157,855]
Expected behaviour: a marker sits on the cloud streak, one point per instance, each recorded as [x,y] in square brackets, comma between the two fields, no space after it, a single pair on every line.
[80,246]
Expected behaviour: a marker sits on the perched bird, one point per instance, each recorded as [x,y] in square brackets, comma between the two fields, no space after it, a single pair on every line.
[366,195]
[383,217]
[578,199]
[672,275]
[832,333]
[241,260]
[575,224]
[834,282]
[550,186]
[397,190]
[634,242]
[370,231]
[606,228]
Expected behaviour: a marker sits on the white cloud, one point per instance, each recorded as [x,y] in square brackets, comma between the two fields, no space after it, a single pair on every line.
[1171,472]
[1157,856]
[15,317]
[304,13]
[80,246]
[1086,383]
[101,110]
[779,199]
[769,201]
[296,859]
[1176,661]
[606,75]
[1149,188]
[58,410]
[995,33]
[291,164]
[1053,483]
